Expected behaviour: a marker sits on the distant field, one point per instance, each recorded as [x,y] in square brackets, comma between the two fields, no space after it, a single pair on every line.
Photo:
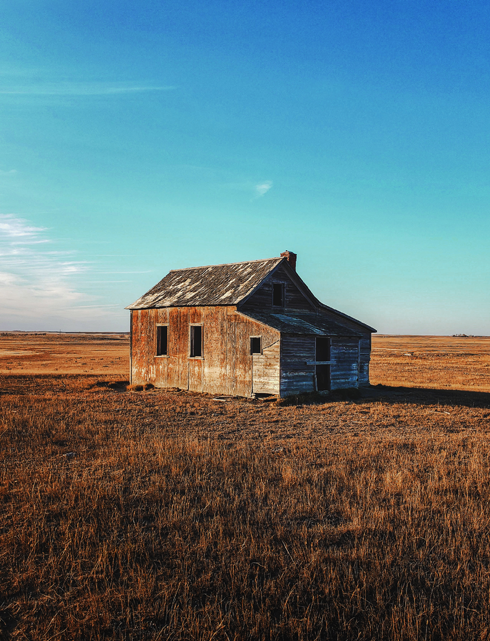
[171,515]
[64,353]
[432,361]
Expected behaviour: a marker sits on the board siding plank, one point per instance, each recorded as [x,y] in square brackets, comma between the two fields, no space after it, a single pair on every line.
[266,370]
[345,372]
[262,299]
[296,375]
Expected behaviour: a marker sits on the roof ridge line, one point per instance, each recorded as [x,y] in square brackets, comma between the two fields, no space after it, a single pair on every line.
[242,262]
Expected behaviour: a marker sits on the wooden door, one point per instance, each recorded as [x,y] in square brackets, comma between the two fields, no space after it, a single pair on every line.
[322,368]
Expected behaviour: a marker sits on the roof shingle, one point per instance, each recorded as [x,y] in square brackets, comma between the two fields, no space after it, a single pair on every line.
[211,285]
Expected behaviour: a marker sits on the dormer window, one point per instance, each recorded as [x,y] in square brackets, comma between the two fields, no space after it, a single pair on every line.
[278,294]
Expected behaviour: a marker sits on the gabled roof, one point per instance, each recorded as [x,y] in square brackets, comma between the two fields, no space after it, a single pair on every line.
[303,287]
[212,285]
[302,323]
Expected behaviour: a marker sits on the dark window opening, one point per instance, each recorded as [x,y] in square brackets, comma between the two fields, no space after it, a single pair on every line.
[278,294]
[322,349]
[162,335]
[322,371]
[255,345]
[196,340]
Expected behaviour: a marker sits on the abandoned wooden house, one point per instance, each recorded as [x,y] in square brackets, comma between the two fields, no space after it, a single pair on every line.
[245,329]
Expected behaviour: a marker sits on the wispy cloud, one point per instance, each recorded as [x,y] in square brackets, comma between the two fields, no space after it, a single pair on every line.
[79,89]
[36,284]
[12,227]
[262,188]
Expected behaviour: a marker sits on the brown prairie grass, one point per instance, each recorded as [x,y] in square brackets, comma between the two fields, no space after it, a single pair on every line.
[168,515]
[460,363]
[41,353]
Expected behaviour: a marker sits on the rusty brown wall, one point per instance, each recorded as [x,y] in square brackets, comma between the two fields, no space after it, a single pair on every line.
[226,364]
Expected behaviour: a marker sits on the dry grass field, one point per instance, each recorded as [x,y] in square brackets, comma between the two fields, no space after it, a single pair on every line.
[458,363]
[170,515]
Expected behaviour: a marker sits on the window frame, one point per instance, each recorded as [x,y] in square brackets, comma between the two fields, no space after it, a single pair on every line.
[191,341]
[252,338]
[158,326]
[282,288]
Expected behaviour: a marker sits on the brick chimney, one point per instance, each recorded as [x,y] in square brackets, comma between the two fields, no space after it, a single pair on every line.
[291,258]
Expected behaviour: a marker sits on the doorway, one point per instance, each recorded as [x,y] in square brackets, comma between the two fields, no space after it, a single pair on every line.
[322,363]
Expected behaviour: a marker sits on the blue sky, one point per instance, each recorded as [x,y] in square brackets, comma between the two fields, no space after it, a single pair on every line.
[136,138]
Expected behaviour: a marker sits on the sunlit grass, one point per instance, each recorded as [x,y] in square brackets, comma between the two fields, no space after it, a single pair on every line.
[152,515]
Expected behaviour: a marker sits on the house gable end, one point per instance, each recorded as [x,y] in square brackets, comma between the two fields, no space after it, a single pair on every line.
[334,314]
[293,295]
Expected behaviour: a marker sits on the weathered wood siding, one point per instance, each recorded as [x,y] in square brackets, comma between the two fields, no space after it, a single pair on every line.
[226,366]
[344,371]
[296,375]
[266,368]
[349,365]
[365,344]
[365,357]
[262,299]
